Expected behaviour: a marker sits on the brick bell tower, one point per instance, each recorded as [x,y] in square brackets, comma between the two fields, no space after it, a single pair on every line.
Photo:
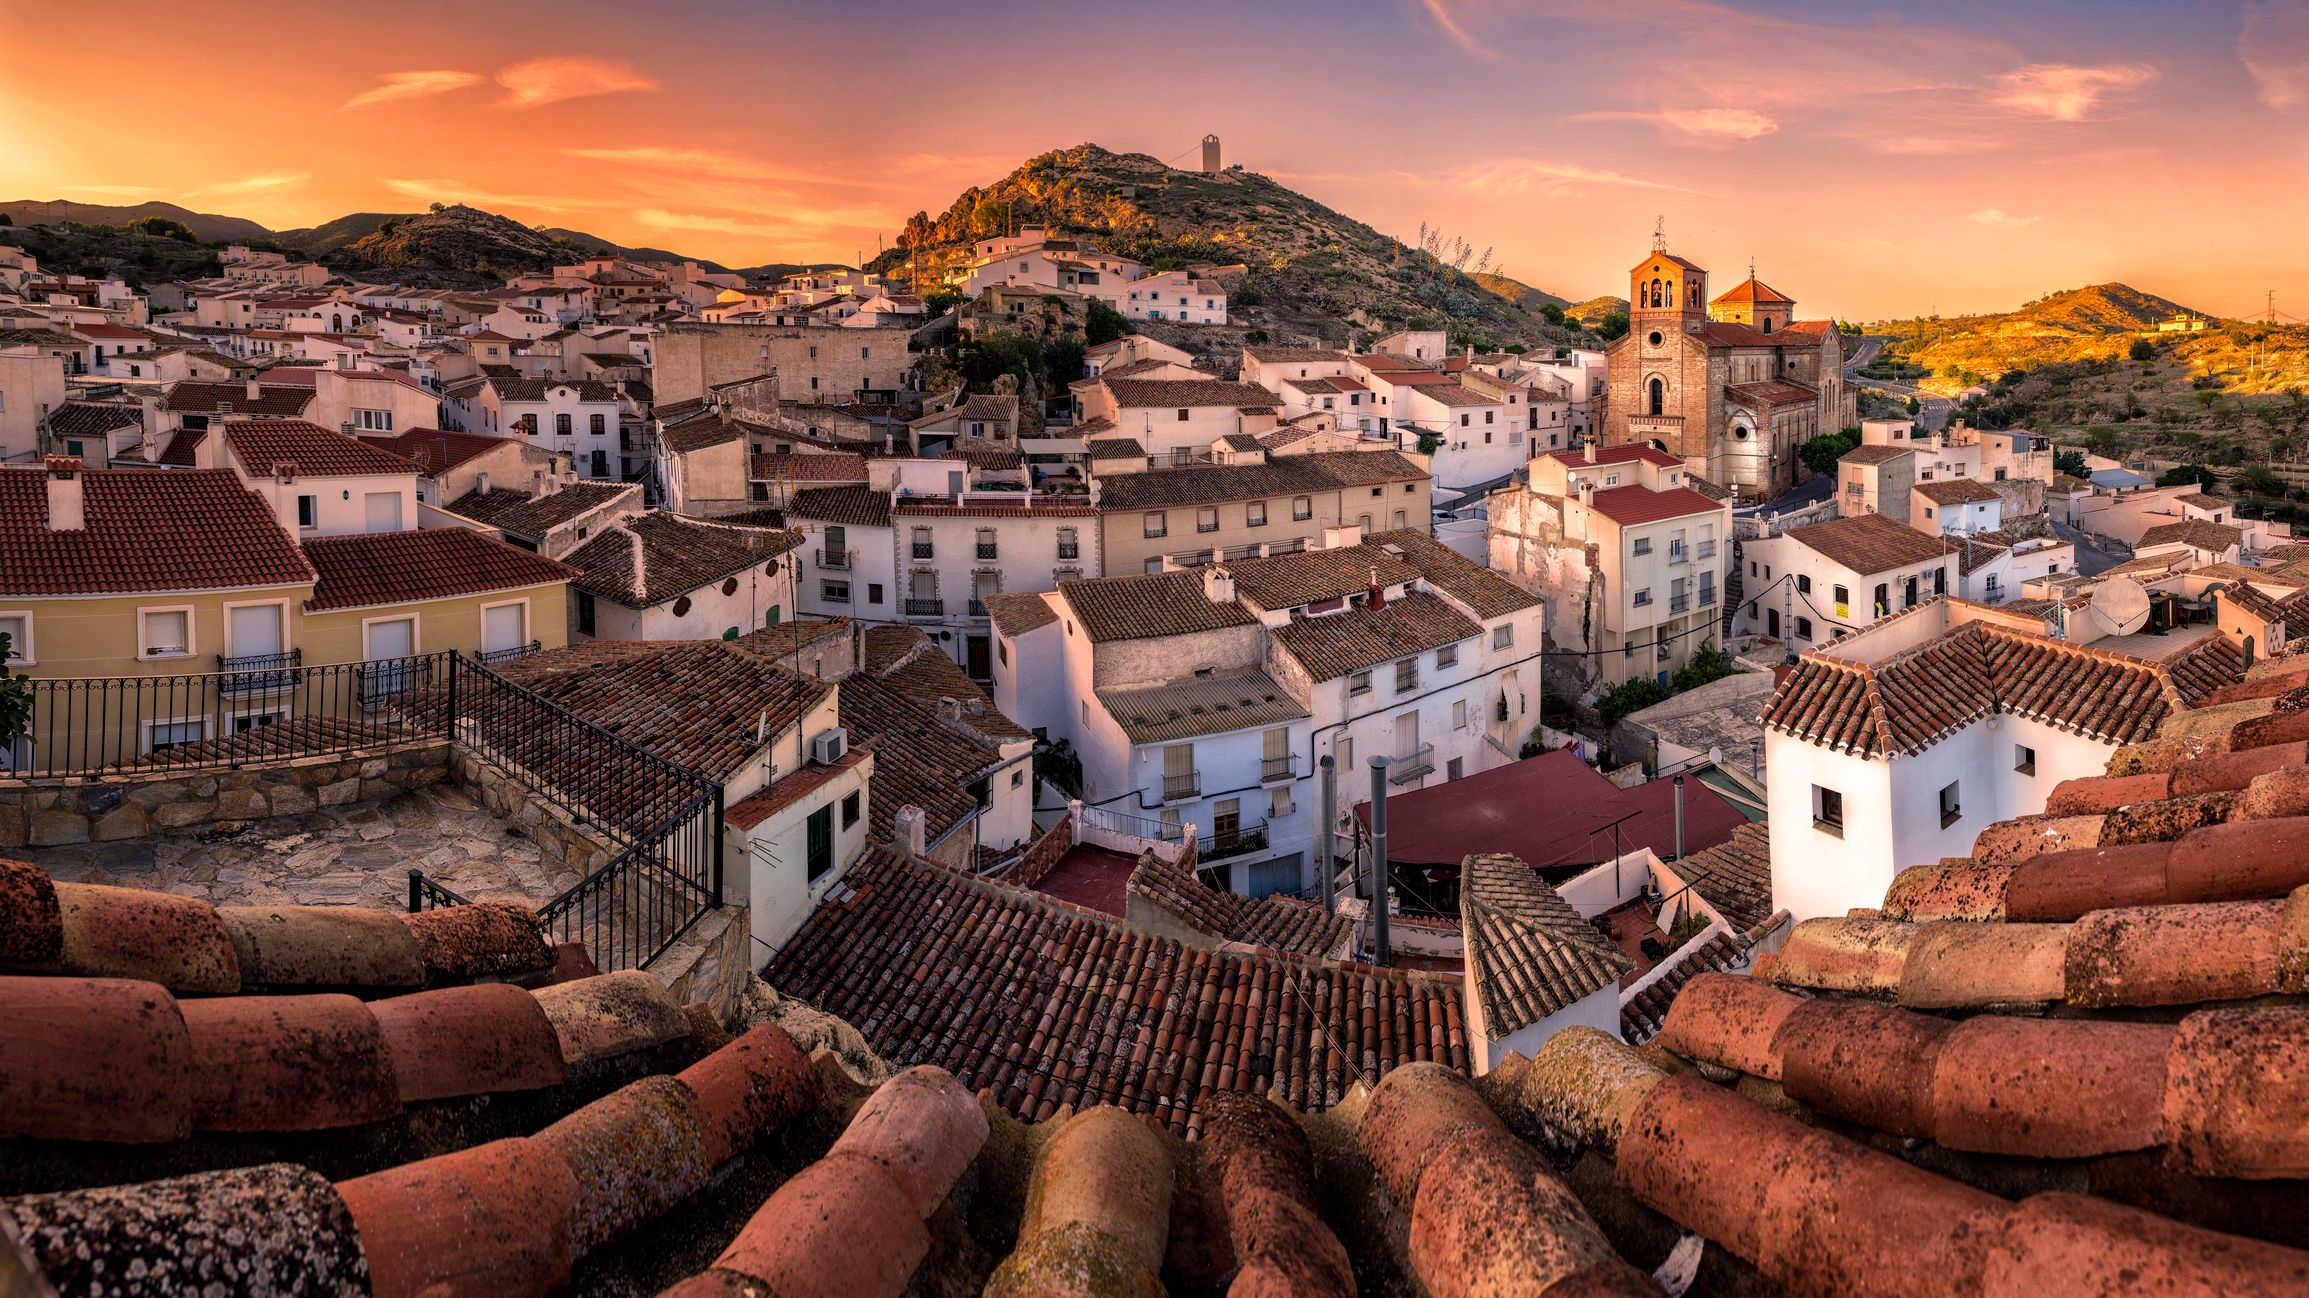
[1667,298]
[1665,291]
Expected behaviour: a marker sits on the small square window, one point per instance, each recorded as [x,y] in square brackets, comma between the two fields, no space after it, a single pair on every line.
[1447,656]
[1359,683]
[1951,810]
[1502,636]
[1828,810]
[850,810]
[2024,759]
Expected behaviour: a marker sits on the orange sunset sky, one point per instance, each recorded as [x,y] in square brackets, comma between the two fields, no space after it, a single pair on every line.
[1875,160]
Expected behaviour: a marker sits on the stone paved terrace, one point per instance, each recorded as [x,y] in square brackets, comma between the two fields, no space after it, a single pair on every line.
[359,854]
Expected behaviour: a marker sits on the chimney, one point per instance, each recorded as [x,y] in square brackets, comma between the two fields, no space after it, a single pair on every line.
[252,389]
[908,828]
[1218,584]
[67,511]
[1587,493]
[1378,594]
[1588,451]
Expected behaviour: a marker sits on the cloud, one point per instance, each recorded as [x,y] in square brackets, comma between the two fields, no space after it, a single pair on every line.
[1928,145]
[1523,175]
[457,191]
[538,82]
[257,184]
[414,85]
[1444,20]
[2274,46]
[2065,92]
[1701,123]
[2002,219]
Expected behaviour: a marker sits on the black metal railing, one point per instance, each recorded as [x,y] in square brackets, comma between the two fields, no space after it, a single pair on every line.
[1225,843]
[925,607]
[1069,549]
[835,559]
[510,653]
[1408,767]
[925,550]
[988,549]
[1276,768]
[977,607]
[248,674]
[1187,785]
[426,894]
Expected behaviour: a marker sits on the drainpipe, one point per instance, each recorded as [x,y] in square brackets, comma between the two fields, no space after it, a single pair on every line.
[1379,878]
[1679,817]
[1326,806]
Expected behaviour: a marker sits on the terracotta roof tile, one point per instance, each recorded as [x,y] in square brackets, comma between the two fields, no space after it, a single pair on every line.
[1485,592]
[1278,923]
[1870,543]
[145,531]
[1149,606]
[1291,475]
[1334,644]
[261,445]
[651,558]
[1527,949]
[369,569]
[2196,533]
[1955,491]
[521,514]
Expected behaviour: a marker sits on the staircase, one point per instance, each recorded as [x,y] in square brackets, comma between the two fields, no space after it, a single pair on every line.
[1732,588]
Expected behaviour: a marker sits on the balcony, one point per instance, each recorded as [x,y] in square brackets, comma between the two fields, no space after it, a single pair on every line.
[1679,603]
[1707,549]
[987,549]
[836,560]
[1407,767]
[258,673]
[512,652]
[925,550]
[1676,554]
[925,607]
[977,607]
[1179,788]
[1707,596]
[1069,550]
[1207,527]
[1234,842]
[1272,769]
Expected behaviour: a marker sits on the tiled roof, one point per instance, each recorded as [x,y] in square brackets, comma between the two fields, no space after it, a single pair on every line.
[704,433]
[1311,576]
[372,568]
[1642,1014]
[850,506]
[529,389]
[1910,701]
[92,419]
[1618,455]
[1955,491]
[771,799]
[1335,644]
[921,758]
[995,407]
[2201,501]
[1303,355]
[1874,453]
[1191,706]
[1773,392]
[183,449]
[1286,924]
[697,703]
[653,557]
[1112,448]
[260,445]
[434,450]
[1734,876]
[1291,475]
[145,531]
[1528,951]
[1149,606]
[808,466]
[2196,533]
[1635,504]
[271,401]
[1750,290]
[1017,614]
[2212,664]
[1044,1005]
[1132,394]
[1868,544]
[531,517]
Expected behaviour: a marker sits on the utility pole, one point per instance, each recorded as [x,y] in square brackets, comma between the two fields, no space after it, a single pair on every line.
[1326,826]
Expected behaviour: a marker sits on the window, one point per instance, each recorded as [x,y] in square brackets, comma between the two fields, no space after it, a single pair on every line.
[1452,768]
[1459,714]
[1883,598]
[1226,820]
[1255,514]
[1406,675]
[1447,656]
[584,613]
[599,425]
[1502,636]
[1279,801]
[160,736]
[308,511]
[1828,810]
[165,632]
[373,421]
[2024,759]
[561,424]
[1207,519]
[1182,416]
[1843,598]
[1643,597]
[850,807]
[835,592]
[18,628]
[820,842]
[1153,525]
[1359,683]
[1950,810]
[1302,509]
[1803,628]
[1643,545]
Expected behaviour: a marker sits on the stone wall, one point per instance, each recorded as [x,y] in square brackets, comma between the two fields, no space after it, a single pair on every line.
[52,813]
[506,798]
[711,962]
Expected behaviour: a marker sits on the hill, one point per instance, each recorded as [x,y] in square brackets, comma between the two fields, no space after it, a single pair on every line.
[99,251]
[2090,323]
[455,247]
[313,241]
[210,227]
[1296,270]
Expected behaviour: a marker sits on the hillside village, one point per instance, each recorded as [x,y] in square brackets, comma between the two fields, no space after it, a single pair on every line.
[1153,710]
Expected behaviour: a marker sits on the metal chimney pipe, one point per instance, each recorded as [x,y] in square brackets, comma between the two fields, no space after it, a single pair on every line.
[1326,826]
[1679,817]
[1379,887]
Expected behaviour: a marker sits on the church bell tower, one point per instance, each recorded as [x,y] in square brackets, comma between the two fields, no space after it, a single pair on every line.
[1666,294]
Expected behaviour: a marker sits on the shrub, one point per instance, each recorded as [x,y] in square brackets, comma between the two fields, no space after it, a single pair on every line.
[1629,696]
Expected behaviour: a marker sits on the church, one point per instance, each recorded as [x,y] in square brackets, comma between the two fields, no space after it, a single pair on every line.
[1733,384]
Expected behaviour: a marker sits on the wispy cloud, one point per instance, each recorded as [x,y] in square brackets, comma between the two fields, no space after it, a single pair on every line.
[2274,45]
[414,85]
[2065,92]
[257,184]
[1998,217]
[538,82]
[1449,25]
[1524,175]
[435,190]
[1697,123]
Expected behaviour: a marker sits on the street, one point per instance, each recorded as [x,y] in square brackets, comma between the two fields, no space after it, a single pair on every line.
[1932,411]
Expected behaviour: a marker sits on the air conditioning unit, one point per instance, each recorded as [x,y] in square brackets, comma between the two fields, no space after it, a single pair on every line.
[828,746]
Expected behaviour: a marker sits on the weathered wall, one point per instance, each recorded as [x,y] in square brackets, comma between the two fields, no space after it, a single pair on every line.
[50,813]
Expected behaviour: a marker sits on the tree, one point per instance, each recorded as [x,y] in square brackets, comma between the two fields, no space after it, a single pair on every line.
[1105,324]
[1614,326]
[942,299]
[6,219]
[2182,475]
[15,699]
[163,227]
[1617,702]
[2071,463]
[2259,481]
[1914,406]
[436,209]
[2144,350]
[1821,453]
[1551,313]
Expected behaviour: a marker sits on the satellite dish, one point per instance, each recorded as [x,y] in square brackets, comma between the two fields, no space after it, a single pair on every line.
[2121,605]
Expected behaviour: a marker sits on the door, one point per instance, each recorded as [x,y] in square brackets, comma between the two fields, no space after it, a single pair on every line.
[381,511]
[256,631]
[501,628]
[1406,736]
[981,658]
[1772,623]
[820,830]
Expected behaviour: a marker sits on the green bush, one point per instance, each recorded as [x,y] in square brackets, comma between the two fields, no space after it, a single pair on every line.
[1821,453]
[1629,696]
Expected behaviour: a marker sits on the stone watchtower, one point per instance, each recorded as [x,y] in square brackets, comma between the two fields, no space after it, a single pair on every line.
[1210,155]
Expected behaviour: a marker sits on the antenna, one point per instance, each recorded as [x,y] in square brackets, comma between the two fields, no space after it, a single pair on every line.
[1660,234]
[2121,605]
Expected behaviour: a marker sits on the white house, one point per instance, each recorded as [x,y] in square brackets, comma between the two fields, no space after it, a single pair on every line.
[1176,295]
[1809,585]
[320,483]
[661,576]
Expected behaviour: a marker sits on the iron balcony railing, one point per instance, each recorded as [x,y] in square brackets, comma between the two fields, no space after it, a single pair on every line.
[1069,550]
[1408,767]
[834,557]
[1707,596]
[1242,839]
[249,674]
[1675,554]
[1678,603]
[1179,787]
[925,550]
[987,550]
[1272,769]
[925,607]
[1707,549]
[977,608]
[511,652]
